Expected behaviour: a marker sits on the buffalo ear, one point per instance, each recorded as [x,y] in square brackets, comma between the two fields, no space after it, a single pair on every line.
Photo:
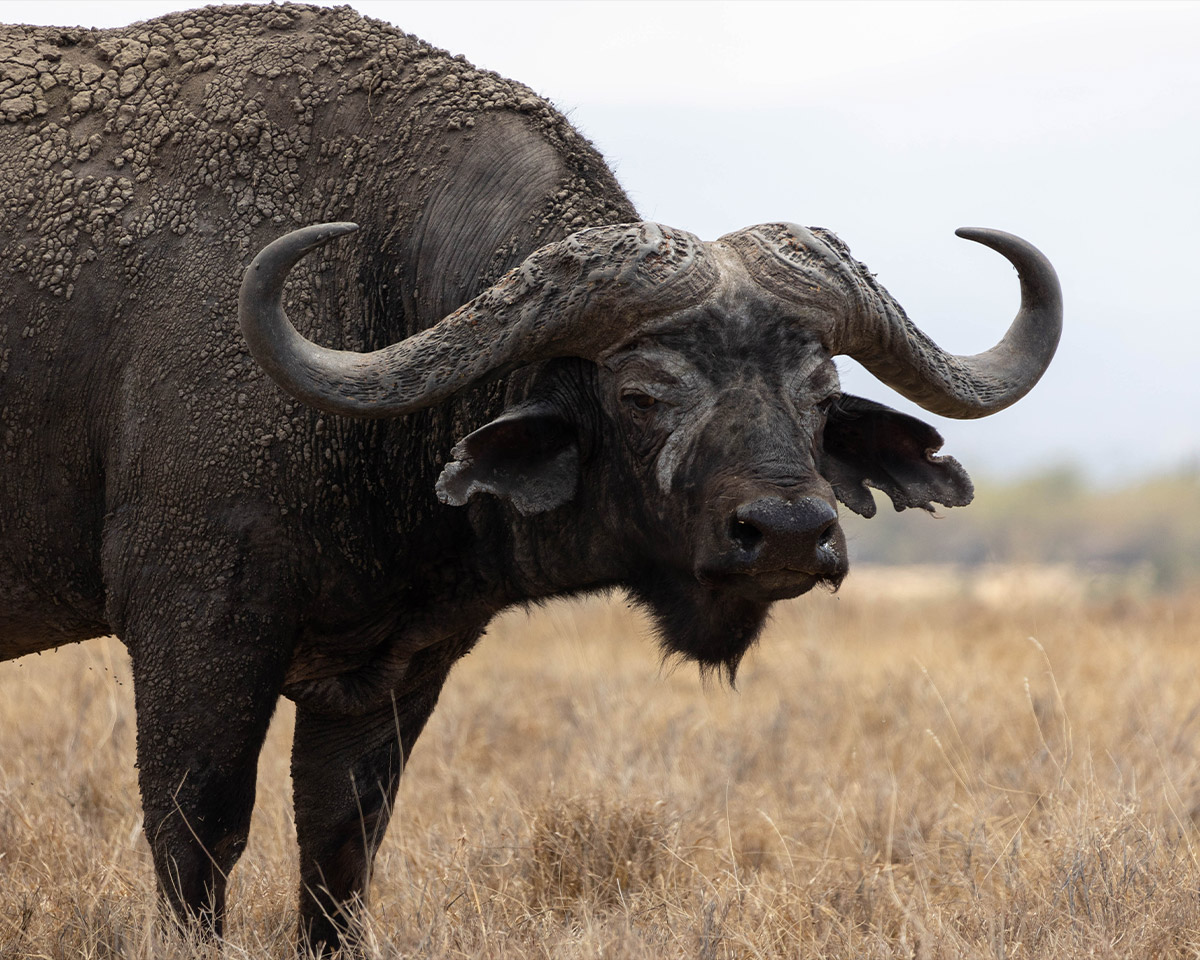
[868,444]
[529,455]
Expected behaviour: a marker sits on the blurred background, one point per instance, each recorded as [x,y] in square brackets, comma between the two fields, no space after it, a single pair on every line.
[1075,125]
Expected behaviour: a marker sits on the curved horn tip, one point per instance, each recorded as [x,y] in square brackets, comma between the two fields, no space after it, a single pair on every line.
[1033,265]
[985,235]
[998,240]
[282,253]
[340,227]
[304,239]
[321,233]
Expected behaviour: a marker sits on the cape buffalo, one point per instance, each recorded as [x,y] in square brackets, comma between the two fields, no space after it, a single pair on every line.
[521,391]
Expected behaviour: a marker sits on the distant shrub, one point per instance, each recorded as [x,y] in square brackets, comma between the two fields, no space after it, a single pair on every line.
[1054,516]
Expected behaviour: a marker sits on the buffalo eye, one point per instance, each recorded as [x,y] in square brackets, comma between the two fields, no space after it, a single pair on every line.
[825,407]
[640,401]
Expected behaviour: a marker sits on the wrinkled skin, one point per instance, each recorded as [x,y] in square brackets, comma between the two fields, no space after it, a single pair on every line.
[244,546]
[753,419]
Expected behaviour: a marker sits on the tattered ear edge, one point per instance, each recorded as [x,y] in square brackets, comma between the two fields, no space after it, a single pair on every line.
[529,455]
[889,445]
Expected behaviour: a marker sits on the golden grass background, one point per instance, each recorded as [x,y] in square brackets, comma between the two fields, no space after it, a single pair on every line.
[927,764]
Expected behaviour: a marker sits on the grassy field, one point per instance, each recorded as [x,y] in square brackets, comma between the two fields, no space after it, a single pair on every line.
[923,765]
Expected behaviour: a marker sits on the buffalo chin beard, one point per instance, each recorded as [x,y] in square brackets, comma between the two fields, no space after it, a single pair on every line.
[714,627]
[715,623]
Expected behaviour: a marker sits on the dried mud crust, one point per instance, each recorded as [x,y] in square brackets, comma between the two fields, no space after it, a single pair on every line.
[140,170]
[215,120]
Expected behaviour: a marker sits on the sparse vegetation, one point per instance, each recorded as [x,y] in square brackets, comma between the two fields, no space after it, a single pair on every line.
[997,766]
[1148,528]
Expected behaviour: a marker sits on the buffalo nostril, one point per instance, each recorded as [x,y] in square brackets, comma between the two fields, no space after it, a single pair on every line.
[774,533]
[745,534]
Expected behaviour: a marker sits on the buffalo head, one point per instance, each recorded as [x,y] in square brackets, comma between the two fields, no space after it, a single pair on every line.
[704,413]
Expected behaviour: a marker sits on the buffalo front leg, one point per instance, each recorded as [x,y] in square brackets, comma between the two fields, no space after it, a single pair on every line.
[203,707]
[345,771]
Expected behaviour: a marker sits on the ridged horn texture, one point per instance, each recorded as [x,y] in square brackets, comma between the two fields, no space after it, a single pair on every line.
[813,268]
[575,297]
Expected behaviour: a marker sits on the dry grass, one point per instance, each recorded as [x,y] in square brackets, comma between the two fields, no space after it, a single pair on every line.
[966,772]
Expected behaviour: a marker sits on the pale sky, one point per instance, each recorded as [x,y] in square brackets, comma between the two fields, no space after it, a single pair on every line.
[1075,125]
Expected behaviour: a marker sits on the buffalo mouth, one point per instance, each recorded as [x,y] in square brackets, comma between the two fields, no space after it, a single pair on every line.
[741,573]
[768,585]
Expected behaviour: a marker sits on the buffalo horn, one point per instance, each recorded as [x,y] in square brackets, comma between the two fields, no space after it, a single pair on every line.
[575,297]
[814,268]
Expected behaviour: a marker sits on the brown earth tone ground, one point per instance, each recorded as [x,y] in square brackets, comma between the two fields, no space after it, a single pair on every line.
[1003,765]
